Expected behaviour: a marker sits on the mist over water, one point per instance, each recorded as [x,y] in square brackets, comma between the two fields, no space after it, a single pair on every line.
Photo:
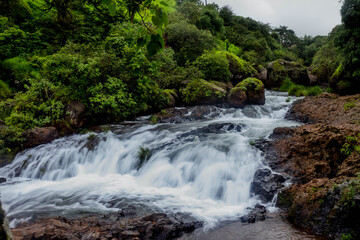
[206,174]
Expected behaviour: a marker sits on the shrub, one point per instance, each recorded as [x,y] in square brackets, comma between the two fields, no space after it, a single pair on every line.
[214,65]
[188,42]
[299,90]
[5,90]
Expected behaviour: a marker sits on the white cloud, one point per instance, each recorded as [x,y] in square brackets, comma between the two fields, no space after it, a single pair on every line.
[310,17]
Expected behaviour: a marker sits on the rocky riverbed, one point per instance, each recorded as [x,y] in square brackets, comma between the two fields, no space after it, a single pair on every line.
[322,159]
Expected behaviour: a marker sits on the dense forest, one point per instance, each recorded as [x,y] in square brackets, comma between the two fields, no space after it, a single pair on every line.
[124,58]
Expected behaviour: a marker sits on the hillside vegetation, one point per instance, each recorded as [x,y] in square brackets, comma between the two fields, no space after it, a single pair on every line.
[123,58]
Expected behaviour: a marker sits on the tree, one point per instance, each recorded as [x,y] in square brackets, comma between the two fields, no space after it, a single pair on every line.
[287,36]
[348,41]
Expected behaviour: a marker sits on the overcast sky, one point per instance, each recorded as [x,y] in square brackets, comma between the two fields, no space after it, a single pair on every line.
[310,17]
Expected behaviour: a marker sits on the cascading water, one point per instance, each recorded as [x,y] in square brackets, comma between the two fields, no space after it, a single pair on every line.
[203,168]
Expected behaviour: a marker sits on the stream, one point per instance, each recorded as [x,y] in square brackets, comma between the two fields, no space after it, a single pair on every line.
[201,168]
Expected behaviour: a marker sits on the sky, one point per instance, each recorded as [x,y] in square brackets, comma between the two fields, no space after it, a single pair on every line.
[305,17]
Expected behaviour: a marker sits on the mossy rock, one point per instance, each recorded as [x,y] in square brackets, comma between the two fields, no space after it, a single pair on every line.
[198,92]
[249,91]
[239,68]
[280,69]
[171,97]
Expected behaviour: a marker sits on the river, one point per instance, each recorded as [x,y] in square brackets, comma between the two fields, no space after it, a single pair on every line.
[201,168]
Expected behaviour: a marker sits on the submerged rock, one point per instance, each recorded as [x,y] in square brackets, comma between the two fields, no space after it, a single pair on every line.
[266,184]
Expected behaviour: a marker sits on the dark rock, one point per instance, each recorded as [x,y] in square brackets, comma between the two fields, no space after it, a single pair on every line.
[2,180]
[76,112]
[256,97]
[258,213]
[180,115]
[5,232]
[39,136]
[266,185]
[214,128]
[249,91]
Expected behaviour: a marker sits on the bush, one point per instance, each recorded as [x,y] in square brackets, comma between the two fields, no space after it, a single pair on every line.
[239,68]
[5,90]
[214,65]
[188,42]
[299,90]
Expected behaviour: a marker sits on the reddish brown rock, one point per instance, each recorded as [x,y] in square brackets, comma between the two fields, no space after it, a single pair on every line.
[237,98]
[155,226]
[39,136]
[325,196]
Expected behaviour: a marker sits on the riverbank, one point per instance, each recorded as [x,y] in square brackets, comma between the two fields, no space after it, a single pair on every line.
[322,159]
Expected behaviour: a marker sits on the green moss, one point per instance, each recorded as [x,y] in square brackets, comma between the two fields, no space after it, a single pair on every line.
[201,89]
[239,67]
[154,119]
[349,105]
[352,143]
[251,84]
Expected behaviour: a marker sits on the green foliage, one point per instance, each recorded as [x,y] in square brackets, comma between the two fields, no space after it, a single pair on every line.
[351,144]
[144,154]
[200,89]
[299,90]
[349,191]
[214,65]
[251,84]
[349,105]
[239,68]
[187,41]
[210,20]
[346,236]
[5,90]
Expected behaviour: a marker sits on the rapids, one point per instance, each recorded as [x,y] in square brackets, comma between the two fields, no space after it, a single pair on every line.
[194,168]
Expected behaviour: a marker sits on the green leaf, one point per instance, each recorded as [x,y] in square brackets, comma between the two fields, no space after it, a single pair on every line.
[164,4]
[157,21]
[141,42]
[155,45]
[147,2]
[112,8]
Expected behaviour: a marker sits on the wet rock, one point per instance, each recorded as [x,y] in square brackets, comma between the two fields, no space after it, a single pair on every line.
[180,115]
[282,132]
[155,226]
[280,69]
[214,128]
[39,136]
[266,184]
[76,112]
[258,213]
[2,180]
[5,232]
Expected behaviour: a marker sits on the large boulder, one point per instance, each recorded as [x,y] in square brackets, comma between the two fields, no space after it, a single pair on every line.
[39,136]
[5,232]
[281,69]
[249,91]
[201,92]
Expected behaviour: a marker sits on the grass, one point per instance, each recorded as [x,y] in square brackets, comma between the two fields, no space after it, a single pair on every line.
[299,90]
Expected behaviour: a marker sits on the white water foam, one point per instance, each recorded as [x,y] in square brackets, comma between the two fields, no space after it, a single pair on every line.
[205,175]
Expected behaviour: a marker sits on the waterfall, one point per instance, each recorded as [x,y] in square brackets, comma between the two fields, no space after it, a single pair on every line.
[203,168]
